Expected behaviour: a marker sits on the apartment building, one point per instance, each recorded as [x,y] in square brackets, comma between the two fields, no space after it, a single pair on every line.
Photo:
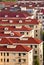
[34,43]
[27,1]
[19,55]
[33,23]
[40,16]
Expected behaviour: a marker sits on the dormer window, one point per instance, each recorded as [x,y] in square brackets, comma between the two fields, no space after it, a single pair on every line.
[12,34]
[30,5]
[17,15]
[15,5]
[4,20]
[5,8]
[11,21]
[0,39]
[28,20]
[20,21]
[6,15]
[6,28]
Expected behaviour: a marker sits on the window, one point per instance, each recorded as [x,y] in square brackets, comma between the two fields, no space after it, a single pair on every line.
[4,59]
[35,46]
[36,35]
[7,54]
[19,54]
[35,52]
[1,54]
[43,17]
[24,60]
[36,26]
[41,56]
[27,33]
[19,60]
[6,15]
[4,54]
[22,32]
[24,53]
[14,26]
[36,30]
[1,60]
[39,17]
[7,60]
[35,57]
[31,46]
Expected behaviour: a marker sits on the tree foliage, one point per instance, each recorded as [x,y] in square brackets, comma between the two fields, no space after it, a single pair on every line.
[36,62]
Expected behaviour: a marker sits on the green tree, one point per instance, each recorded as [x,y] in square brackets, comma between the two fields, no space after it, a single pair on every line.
[36,62]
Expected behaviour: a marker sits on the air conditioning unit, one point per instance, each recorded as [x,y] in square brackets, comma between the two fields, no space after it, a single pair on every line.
[12,34]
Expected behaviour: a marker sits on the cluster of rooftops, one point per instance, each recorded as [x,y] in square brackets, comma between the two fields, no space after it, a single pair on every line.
[14,15]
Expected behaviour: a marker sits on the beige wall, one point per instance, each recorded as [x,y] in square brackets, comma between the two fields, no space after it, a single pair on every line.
[39,50]
[14,57]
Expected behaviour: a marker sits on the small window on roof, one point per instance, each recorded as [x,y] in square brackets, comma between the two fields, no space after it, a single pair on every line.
[15,5]
[5,8]
[0,39]
[12,34]
[17,15]
[6,15]
[4,20]
[20,21]
[6,28]
[11,21]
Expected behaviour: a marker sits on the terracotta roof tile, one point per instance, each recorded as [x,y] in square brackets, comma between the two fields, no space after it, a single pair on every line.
[18,48]
[10,35]
[14,41]
[17,21]
[12,28]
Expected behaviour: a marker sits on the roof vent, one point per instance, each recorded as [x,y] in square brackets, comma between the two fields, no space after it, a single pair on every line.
[11,21]
[20,21]
[12,34]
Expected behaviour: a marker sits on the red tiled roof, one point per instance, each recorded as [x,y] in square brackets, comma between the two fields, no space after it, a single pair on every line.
[12,28]
[16,21]
[29,41]
[14,41]
[16,35]
[8,3]
[23,42]
[21,14]
[5,41]
[18,48]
